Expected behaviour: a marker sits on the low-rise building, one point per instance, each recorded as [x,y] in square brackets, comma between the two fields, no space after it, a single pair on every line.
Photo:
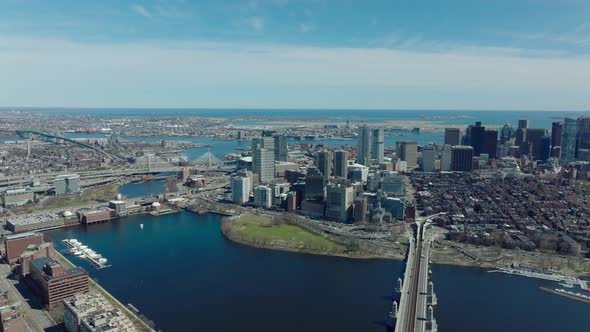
[16,245]
[17,197]
[81,306]
[11,317]
[107,320]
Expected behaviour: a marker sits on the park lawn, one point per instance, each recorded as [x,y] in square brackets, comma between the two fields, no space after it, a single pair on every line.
[261,228]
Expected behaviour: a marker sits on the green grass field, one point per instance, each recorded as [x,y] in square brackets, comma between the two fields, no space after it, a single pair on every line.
[262,230]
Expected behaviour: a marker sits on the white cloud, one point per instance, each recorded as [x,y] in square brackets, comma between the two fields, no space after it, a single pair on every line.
[141,10]
[41,72]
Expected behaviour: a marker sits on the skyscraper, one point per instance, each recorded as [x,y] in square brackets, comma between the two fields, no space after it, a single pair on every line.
[462,158]
[452,136]
[324,163]
[545,148]
[263,197]
[360,209]
[408,151]
[339,202]
[445,161]
[314,185]
[569,134]
[477,138]
[377,146]
[583,133]
[556,133]
[534,142]
[341,164]
[281,148]
[428,158]
[490,143]
[364,145]
[240,189]
[521,134]
[506,134]
[263,158]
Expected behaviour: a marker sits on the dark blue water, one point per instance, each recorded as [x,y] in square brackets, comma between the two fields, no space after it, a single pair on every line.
[142,189]
[181,272]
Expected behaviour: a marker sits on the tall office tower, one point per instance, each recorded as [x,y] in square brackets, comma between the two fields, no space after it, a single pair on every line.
[263,197]
[360,209]
[364,145]
[263,158]
[314,185]
[377,146]
[453,136]
[281,148]
[569,134]
[408,151]
[240,189]
[534,143]
[523,124]
[445,161]
[462,158]
[506,134]
[324,163]
[477,137]
[466,140]
[583,133]
[291,201]
[339,202]
[490,143]
[341,164]
[428,158]
[545,148]
[556,128]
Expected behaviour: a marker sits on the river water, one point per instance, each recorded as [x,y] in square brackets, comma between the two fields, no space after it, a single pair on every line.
[183,274]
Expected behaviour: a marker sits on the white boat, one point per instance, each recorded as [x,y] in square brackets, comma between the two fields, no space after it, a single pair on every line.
[141,226]
[80,254]
[102,260]
[83,247]
[76,252]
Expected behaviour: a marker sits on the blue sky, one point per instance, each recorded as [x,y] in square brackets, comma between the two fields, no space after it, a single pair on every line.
[462,54]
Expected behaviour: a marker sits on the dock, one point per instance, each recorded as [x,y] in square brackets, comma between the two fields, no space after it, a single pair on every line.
[76,248]
[568,294]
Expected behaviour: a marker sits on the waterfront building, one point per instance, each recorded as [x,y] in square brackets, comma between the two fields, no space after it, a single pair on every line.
[452,136]
[80,306]
[263,158]
[377,145]
[11,316]
[88,217]
[107,320]
[490,143]
[408,151]
[67,184]
[120,207]
[341,163]
[324,163]
[56,283]
[428,158]
[16,245]
[360,209]
[33,251]
[445,161]
[281,149]
[17,197]
[263,197]
[240,189]
[568,141]
[462,158]
[364,145]
[339,198]
[477,138]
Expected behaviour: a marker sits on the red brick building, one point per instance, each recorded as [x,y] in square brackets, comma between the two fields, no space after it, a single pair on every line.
[16,245]
[56,283]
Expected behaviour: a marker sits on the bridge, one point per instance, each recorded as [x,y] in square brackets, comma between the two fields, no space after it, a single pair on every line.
[415,311]
[27,133]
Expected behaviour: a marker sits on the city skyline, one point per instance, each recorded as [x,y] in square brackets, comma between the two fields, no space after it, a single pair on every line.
[296,54]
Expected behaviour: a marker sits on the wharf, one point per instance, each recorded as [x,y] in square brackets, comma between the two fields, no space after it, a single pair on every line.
[163,212]
[568,294]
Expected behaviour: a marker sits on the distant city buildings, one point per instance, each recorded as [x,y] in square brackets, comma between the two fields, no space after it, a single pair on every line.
[429,158]
[377,145]
[364,145]
[341,163]
[408,151]
[462,158]
[452,136]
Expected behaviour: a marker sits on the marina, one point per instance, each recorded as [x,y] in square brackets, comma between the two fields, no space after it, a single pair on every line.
[568,294]
[544,276]
[80,250]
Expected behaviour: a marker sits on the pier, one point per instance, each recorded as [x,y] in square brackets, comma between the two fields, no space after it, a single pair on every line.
[76,248]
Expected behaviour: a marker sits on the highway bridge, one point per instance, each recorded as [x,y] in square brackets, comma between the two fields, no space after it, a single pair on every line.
[414,313]
[29,133]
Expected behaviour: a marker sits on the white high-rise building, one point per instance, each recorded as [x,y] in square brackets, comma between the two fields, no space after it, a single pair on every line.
[428,158]
[263,197]
[339,199]
[364,145]
[377,146]
[240,189]
[263,158]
